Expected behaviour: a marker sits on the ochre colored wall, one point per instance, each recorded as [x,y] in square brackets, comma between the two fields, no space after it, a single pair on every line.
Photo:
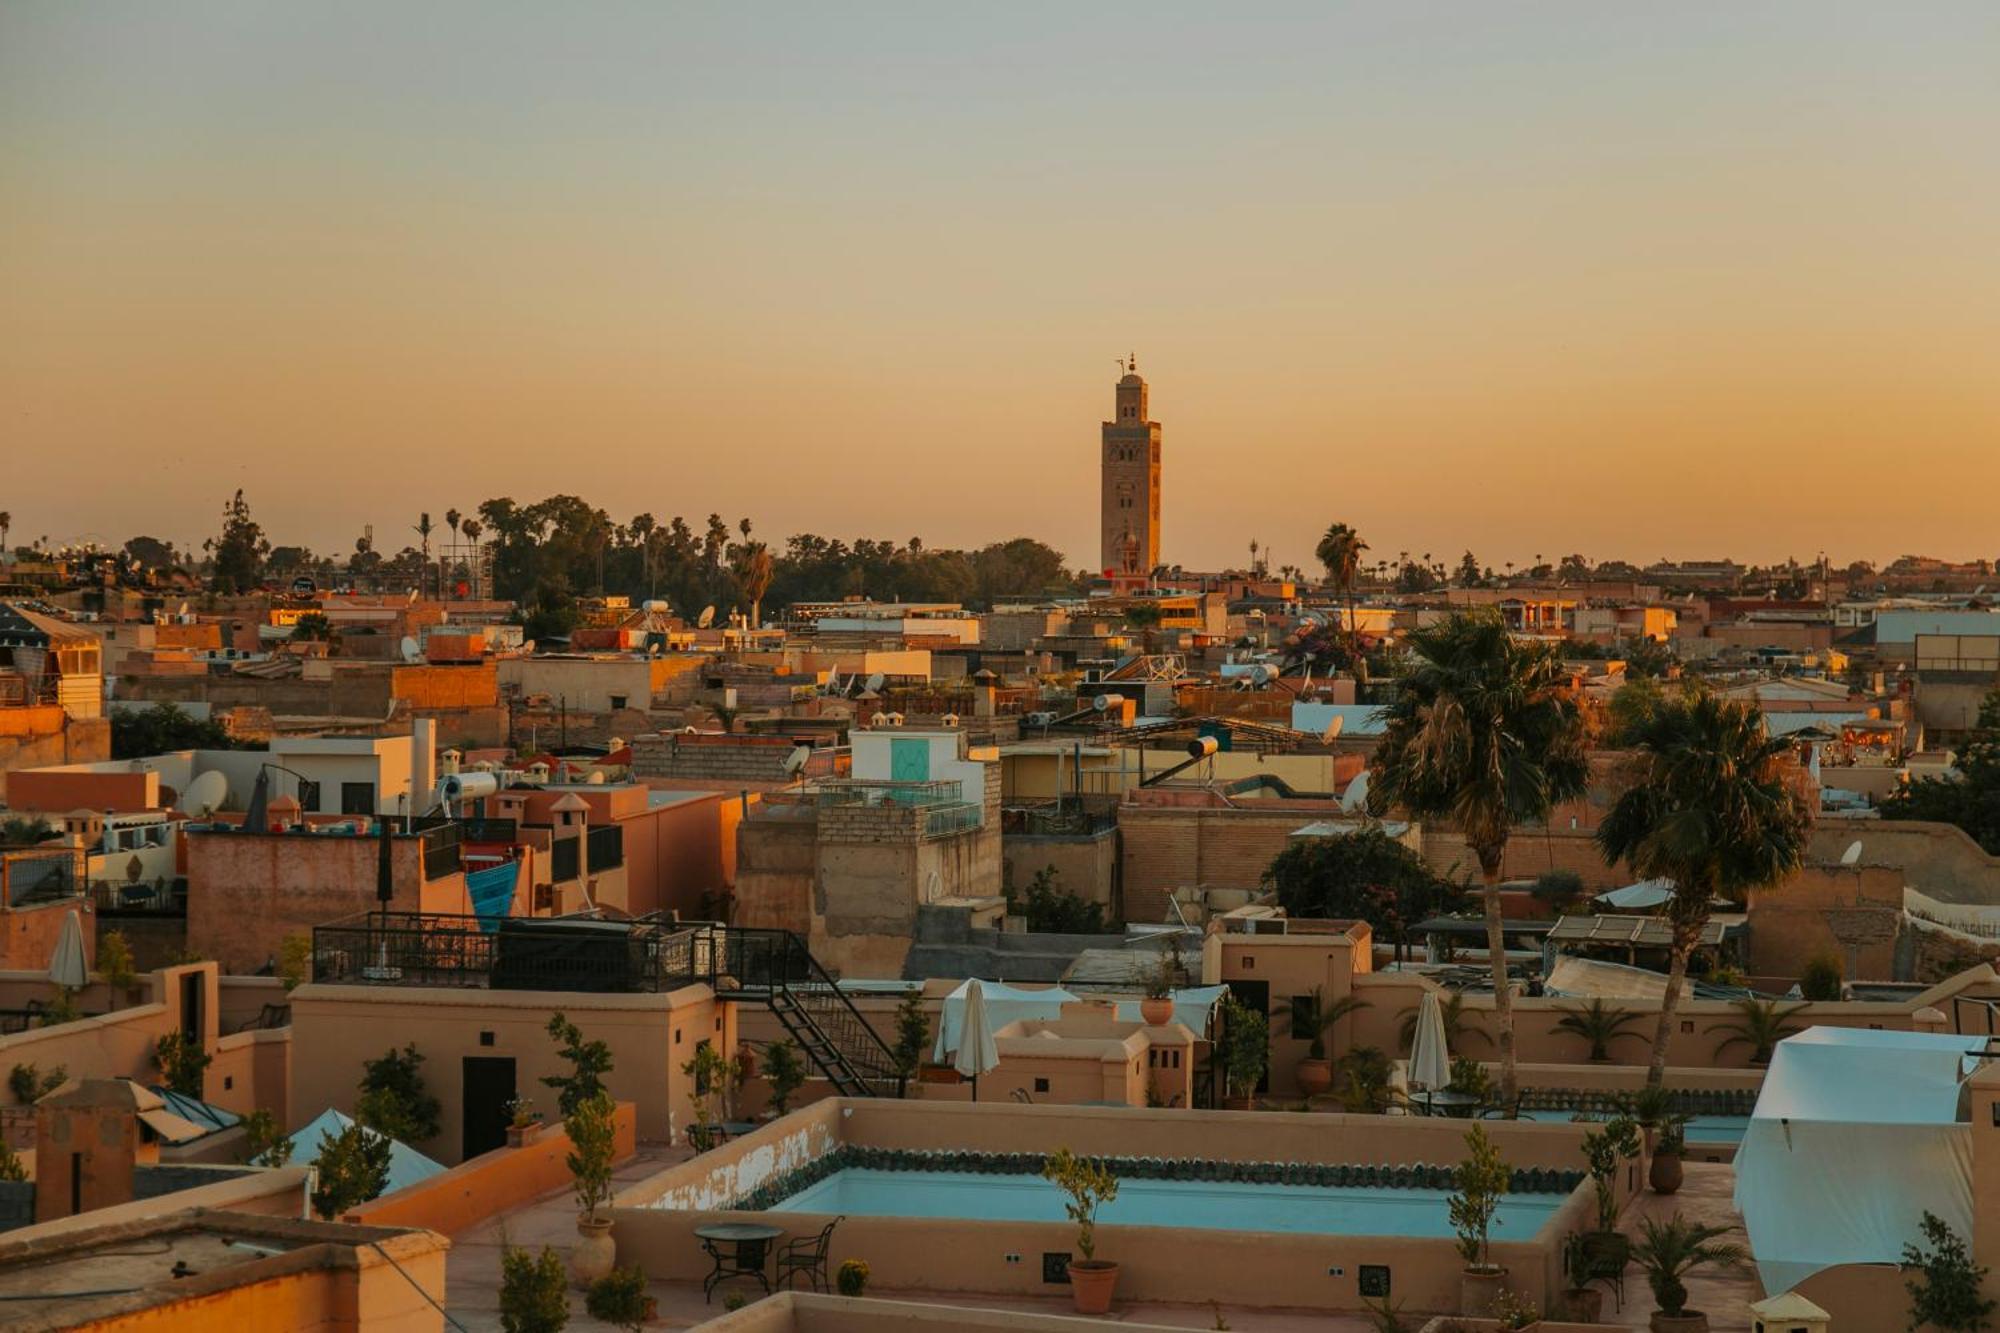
[492,1183]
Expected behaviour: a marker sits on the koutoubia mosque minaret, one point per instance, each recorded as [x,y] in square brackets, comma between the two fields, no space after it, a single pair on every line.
[1131,515]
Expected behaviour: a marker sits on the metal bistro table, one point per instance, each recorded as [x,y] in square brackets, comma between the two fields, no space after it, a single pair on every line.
[1445,1102]
[740,1249]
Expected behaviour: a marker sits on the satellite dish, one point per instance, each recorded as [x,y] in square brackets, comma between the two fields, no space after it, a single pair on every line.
[183,611]
[1852,856]
[797,759]
[706,618]
[1356,795]
[443,616]
[411,651]
[876,682]
[205,795]
[1333,728]
[413,598]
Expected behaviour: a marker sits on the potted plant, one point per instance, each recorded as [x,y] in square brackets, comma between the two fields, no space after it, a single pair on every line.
[591,1132]
[706,1072]
[1247,1053]
[1600,1025]
[1313,1018]
[1481,1179]
[785,1070]
[1666,1173]
[619,1299]
[1604,1151]
[1089,1185]
[1157,1008]
[532,1299]
[1515,1312]
[1667,1252]
[524,1123]
[1760,1025]
[1582,1302]
[851,1278]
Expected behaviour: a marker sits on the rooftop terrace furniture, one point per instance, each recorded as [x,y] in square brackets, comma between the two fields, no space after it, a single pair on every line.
[739,1249]
[807,1256]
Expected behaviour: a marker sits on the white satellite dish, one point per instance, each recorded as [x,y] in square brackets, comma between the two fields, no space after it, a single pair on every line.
[413,597]
[706,618]
[443,616]
[1356,795]
[411,651]
[876,682]
[205,795]
[1852,856]
[1333,728]
[797,759]
[183,611]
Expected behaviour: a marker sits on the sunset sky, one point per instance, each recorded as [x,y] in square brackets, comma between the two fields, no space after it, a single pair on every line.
[1627,280]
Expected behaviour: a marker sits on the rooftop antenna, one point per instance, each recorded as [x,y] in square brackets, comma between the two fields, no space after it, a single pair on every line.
[876,682]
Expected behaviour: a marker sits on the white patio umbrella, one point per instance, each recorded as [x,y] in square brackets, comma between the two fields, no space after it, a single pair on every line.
[67,966]
[1430,1058]
[977,1051]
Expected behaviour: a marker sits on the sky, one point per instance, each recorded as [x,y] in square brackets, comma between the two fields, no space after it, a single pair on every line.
[1529,278]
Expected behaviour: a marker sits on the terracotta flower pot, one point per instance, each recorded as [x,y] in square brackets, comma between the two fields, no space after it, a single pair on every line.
[1665,1175]
[1239,1103]
[1157,1010]
[1692,1321]
[520,1136]
[1583,1304]
[1091,1282]
[1315,1076]
[595,1254]
[1478,1289]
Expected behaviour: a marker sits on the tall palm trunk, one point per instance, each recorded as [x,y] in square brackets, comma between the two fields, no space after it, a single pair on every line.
[1686,936]
[1503,992]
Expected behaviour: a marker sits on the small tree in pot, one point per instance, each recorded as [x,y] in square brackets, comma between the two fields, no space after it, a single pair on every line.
[785,1070]
[1665,1174]
[1668,1252]
[1481,1179]
[592,1133]
[1089,1185]
[1246,1035]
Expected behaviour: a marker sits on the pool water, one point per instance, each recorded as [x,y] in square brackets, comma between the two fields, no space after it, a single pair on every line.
[1214,1205]
[1709,1129]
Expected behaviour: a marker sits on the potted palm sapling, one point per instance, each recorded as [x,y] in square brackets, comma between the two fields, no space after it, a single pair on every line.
[1668,1252]
[1481,1180]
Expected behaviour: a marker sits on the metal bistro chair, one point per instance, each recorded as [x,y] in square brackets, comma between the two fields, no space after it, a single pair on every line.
[807,1255]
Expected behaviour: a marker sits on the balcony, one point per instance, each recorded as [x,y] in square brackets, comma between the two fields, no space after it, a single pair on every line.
[542,953]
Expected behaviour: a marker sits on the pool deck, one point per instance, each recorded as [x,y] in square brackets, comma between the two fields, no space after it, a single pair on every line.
[473,1270]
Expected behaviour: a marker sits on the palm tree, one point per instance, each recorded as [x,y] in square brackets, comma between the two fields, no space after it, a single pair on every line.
[6,523]
[1312,1015]
[1761,1027]
[1484,732]
[1668,1251]
[1340,551]
[1599,1024]
[1452,1010]
[754,571]
[1712,812]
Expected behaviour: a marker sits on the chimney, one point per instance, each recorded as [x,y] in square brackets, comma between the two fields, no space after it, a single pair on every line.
[423,763]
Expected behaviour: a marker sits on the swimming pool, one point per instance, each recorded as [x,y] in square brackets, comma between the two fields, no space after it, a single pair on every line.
[1705,1129]
[1222,1205]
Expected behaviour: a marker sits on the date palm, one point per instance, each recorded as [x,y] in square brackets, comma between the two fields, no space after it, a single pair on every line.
[1668,1251]
[1340,551]
[1484,732]
[1760,1025]
[1599,1024]
[1710,810]
[1314,1016]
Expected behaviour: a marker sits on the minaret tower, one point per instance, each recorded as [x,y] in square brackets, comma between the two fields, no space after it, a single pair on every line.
[1130,527]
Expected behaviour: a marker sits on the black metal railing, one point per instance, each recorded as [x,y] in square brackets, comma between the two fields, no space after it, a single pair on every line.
[564,860]
[772,967]
[160,897]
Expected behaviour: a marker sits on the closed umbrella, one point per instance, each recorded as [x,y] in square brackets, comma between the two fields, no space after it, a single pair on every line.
[977,1051]
[67,966]
[1430,1058]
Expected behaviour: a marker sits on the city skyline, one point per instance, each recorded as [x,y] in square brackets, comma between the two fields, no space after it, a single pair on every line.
[1559,279]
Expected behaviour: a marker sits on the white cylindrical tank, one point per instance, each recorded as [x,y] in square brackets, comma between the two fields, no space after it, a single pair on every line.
[469,786]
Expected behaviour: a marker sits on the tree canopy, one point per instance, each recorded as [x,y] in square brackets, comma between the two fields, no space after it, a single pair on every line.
[1970,800]
[1365,875]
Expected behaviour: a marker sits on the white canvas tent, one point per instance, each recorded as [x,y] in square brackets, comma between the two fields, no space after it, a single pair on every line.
[1856,1135]
[1011,1004]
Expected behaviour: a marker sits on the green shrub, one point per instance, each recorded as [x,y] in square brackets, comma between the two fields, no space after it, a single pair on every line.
[786,1070]
[394,1099]
[183,1064]
[534,1291]
[619,1298]
[352,1168]
[1822,978]
[29,1085]
[851,1278]
[1945,1289]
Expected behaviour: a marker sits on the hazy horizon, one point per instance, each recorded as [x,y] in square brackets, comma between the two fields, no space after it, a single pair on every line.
[1547,277]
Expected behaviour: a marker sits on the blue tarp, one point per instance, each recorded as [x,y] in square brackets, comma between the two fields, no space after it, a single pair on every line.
[407,1166]
[492,893]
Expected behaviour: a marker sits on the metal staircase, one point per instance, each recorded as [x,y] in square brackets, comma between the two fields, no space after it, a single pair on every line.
[775,967]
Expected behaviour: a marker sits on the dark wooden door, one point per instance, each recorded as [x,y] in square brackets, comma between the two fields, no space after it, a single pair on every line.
[193,1020]
[488,1087]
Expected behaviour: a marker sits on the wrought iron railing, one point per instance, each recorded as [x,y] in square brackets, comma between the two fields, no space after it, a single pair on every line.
[607,847]
[564,860]
[776,965]
[160,897]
